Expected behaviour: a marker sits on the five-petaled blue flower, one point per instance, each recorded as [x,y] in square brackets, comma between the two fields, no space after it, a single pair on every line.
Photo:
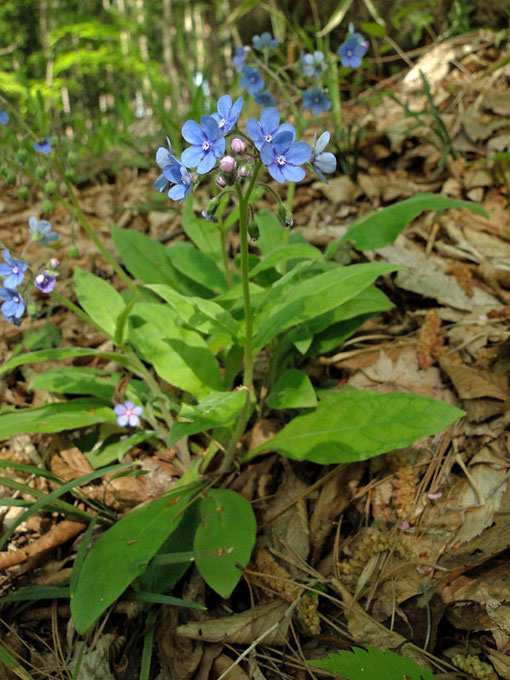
[13,307]
[252,80]
[4,117]
[239,60]
[207,144]
[265,99]
[267,127]
[41,231]
[313,65]
[316,100]
[13,271]
[45,282]
[283,157]
[44,146]
[266,40]
[352,51]
[323,161]
[181,179]
[128,414]
[228,113]
[164,158]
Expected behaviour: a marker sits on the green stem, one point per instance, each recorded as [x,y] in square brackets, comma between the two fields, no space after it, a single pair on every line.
[224,247]
[334,92]
[290,195]
[230,452]
[243,232]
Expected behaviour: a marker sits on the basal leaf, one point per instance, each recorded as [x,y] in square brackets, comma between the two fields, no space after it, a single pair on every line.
[77,380]
[292,390]
[99,299]
[205,235]
[60,353]
[228,528]
[197,266]
[296,251]
[356,425]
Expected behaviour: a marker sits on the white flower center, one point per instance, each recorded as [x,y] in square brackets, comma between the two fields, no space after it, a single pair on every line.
[348,53]
[16,299]
[15,270]
[281,160]
[222,123]
[205,145]
[269,138]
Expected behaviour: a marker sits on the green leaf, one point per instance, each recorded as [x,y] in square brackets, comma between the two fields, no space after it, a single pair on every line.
[179,355]
[66,415]
[292,390]
[77,380]
[372,28]
[117,450]
[36,593]
[301,251]
[197,266]
[205,235]
[218,408]
[356,425]
[203,315]
[61,353]
[44,337]
[372,664]
[100,300]
[312,297]
[228,527]
[272,234]
[122,553]
[382,228]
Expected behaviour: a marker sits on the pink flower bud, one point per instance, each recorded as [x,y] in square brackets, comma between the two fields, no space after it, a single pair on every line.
[54,263]
[221,181]
[243,172]
[192,176]
[238,145]
[228,164]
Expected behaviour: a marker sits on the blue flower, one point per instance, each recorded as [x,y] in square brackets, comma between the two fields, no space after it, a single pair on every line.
[164,158]
[316,100]
[267,127]
[265,99]
[45,282]
[4,117]
[41,231]
[128,413]
[353,49]
[207,144]
[239,60]
[181,179]
[13,307]
[14,270]
[313,65]
[283,157]
[266,40]
[228,113]
[323,161]
[252,80]
[44,146]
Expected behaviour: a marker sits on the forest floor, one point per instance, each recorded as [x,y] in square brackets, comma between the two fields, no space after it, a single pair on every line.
[409,551]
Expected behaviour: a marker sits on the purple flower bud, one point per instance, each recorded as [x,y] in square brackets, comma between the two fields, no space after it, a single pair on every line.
[238,145]
[221,181]
[192,176]
[54,263]
[243,172]
[45,282]
[228,164]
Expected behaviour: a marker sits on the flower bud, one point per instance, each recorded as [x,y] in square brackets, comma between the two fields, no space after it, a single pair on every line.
[238,145]
[192,177]
[71,175]
[243,172]
[54,263]
[72,158]
[32,309]
[23,193]
[73,252]
[10,179]
[221,181]
[253,231]
[22,156]
[228,164]
[47,206]
[50,187]
[285,216]
[40,172]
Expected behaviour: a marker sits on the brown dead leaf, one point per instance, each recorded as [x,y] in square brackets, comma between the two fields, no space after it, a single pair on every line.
[223,663]
[70,464]
[268,623]
[179,656]
[474,383]
[58,534]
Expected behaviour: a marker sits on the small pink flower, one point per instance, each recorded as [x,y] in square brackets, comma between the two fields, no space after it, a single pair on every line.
[238,145]
[228,164]
[128,414]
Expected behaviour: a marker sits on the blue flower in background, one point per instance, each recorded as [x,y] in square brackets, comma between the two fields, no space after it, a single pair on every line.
[128,414]
[13,270]
[164,157]
[264,41]
[228,113]
[4,117]
[252,80]
[354,48]
[207,144]
[41,231]
[283,157]
[316,100]
[267,127]
[323,161]
[265,99]
[13,307]
[182,180]
[44,146]
[313,65]
[239,60]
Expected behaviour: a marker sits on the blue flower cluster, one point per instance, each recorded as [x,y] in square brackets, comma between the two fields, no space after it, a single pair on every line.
[354,48]
[13,273]
[276,144]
